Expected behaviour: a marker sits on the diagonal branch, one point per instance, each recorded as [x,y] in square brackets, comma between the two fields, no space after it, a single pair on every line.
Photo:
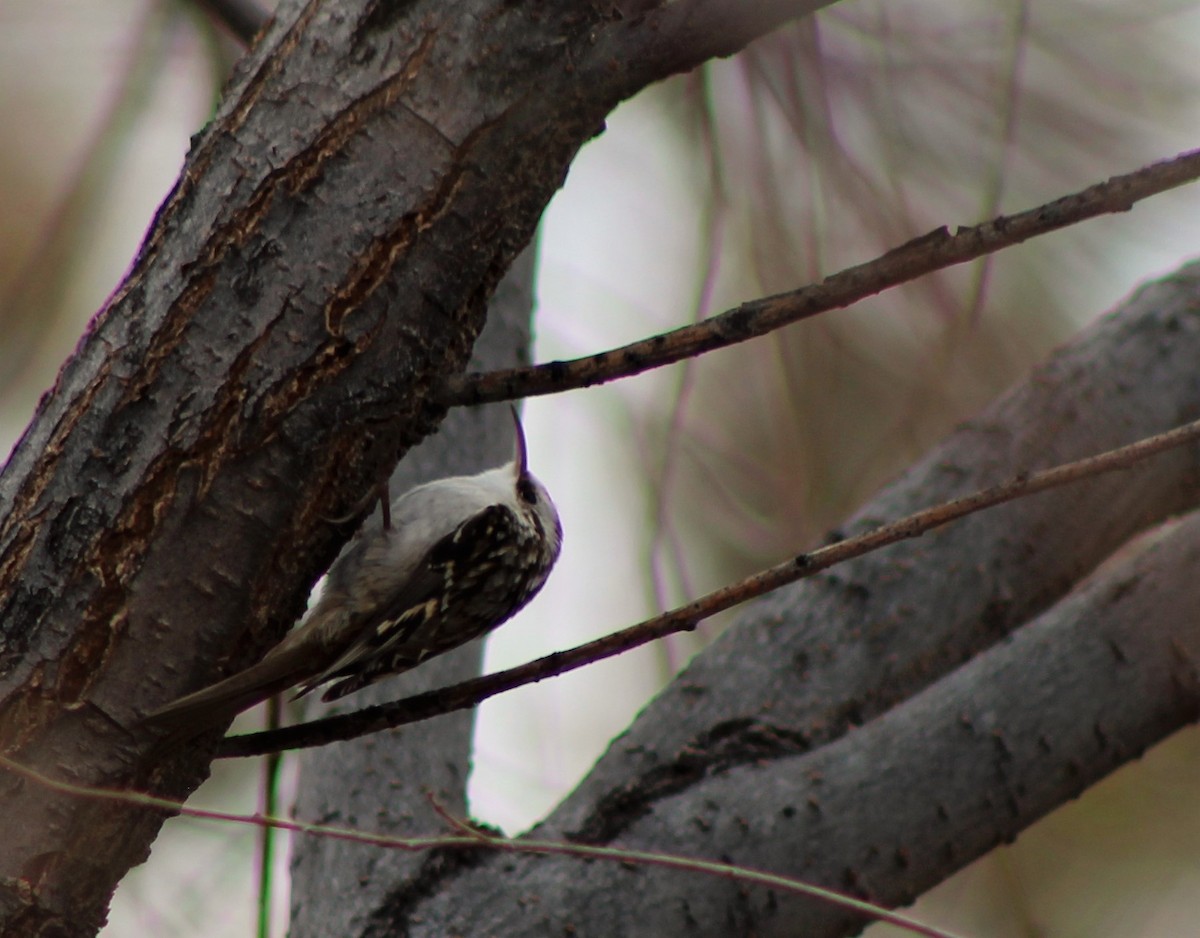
[470,693]
[934,251]
[465,835]
[164,513]
[831,659]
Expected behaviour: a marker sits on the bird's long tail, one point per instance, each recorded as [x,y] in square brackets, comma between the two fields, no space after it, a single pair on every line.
[221,702]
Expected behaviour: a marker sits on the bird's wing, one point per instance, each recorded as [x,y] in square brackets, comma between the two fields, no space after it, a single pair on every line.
[411,625]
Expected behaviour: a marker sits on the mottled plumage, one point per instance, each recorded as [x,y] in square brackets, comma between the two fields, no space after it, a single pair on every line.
[462,555]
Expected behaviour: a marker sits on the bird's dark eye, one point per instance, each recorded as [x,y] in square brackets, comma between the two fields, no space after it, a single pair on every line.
[527,492]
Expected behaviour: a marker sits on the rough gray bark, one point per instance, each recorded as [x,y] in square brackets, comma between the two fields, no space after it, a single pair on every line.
[322,265]
[752,755]
[382,782]
[885,811]
[844,646]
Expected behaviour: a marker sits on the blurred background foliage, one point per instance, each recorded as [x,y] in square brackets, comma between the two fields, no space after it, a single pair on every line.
[821,146]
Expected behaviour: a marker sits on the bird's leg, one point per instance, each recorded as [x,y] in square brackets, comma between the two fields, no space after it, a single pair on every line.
[385,504]
[380,492]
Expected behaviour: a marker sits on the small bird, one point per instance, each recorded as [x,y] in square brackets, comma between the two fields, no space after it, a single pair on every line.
[461,555]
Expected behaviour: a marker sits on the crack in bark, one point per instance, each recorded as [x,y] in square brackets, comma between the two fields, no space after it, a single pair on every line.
[727,745]
[391,919]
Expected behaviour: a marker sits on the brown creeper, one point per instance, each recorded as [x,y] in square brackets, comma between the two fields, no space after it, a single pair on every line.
[461,556]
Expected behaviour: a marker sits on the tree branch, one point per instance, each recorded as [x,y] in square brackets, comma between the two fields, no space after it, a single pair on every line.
[765,714]
[435,757]
[470,693]
[323,263]
[471,837]
[883,812]
[934,251]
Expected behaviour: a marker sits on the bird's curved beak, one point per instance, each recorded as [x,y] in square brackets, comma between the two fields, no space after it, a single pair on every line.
[520,457]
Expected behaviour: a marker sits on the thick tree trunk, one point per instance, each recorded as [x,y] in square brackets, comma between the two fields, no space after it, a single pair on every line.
[322,265]
[384,782]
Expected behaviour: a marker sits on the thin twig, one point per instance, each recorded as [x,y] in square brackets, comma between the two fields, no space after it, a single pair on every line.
[934,251]
[272,769]
[672,861]
[469,693]
[473,838]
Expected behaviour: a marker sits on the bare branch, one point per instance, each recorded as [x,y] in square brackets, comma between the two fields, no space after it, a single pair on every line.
[934,251]
[885,810]
[469,836]
[469,693]
[162,517]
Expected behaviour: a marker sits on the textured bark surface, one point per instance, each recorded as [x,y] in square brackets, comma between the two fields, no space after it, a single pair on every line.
[831,735]
[884,812]
[323,263]
[383,782]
